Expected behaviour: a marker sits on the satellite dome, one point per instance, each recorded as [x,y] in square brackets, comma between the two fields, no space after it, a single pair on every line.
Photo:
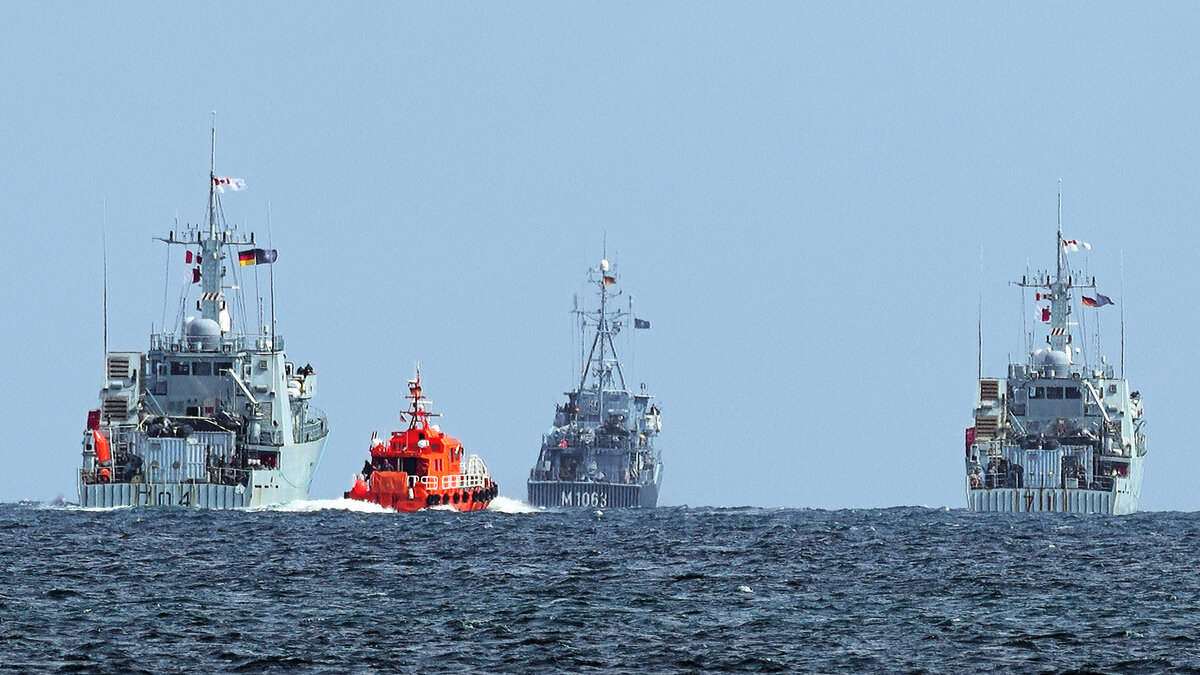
[1057,363]
[205,331]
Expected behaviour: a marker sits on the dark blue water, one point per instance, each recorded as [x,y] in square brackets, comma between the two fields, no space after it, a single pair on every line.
[673,589]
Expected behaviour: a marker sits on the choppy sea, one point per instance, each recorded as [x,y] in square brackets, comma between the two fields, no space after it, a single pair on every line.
[340,587]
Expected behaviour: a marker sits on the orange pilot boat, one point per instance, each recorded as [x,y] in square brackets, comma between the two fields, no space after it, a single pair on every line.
[421,467]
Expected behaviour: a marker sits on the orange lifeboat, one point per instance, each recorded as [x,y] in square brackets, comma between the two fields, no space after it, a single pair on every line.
[420,467]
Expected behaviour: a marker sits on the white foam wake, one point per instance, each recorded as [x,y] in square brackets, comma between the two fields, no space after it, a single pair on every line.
[510,505]
[311,505]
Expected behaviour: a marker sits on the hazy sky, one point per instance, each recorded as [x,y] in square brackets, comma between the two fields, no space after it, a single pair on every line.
[808,200]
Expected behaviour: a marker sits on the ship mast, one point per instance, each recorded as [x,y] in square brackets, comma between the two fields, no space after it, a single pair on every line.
[605,329]
[211,255]
[1059,290]
[1060,297]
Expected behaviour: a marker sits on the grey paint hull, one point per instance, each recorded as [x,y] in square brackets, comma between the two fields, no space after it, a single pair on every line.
[1121,500]
[591,495]
[289,483]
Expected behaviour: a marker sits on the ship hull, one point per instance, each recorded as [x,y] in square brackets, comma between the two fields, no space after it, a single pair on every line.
[289,483]
[552,494]
[403,504]
[388,490]
[1121,500]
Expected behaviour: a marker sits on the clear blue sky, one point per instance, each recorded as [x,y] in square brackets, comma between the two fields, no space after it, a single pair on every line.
[806,199]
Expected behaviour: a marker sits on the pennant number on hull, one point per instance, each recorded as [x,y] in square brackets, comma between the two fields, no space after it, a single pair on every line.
[584,499]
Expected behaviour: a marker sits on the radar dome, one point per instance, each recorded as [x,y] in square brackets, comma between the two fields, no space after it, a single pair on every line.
[1055,362]
[205,331]
[603,265]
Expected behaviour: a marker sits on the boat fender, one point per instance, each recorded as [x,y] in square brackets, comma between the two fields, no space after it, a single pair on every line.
[359,491]
[105,476]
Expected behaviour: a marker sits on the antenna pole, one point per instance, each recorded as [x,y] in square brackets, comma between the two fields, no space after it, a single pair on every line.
[1122,296]
[272,280]
[212,177]
[979,321]
[1058,245]
[104,278]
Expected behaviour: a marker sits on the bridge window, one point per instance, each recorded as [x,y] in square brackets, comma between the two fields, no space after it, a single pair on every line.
[1074,392]
[1054,392]
[180,368]
[201,368]
[1037,392]
[223,366]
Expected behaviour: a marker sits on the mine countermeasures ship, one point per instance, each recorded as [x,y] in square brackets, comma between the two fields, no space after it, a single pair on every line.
[1059,433]
[213,415]
[421,467]
[600,451]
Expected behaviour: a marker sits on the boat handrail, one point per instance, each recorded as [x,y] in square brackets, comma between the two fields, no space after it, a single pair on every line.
[452,481]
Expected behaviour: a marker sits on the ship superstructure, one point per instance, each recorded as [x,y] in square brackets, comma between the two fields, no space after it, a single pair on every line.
[213,415]
[600,451]
[1057,434]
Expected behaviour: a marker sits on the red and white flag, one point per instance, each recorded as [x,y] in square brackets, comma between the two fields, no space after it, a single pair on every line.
[1073,245]
[1039,297]
[234,184]
[1044,314]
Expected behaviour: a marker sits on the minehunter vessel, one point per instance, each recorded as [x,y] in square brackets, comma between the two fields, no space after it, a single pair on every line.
[421,467]
[600,451]
[213,415]
[1057,434]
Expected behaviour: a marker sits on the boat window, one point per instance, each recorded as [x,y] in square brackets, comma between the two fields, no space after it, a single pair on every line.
[1054,392]
[223,367]
[1074,392]
[201,368]
[1037,392]
[180,368]
[1112,388]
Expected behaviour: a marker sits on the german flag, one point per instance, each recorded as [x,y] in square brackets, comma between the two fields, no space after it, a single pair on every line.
[609,281]
[257,256]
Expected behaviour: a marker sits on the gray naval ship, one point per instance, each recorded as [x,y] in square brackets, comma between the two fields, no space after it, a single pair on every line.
[1057,434]
[600,451]
[211,416]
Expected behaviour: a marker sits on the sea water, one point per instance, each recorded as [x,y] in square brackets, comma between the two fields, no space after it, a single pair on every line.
[342,587]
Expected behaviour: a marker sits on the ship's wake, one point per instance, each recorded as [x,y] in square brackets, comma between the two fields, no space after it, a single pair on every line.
[503,504]
[312,505]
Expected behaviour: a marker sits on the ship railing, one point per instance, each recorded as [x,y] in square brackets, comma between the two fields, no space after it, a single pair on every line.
[215,476]
[232,343]
[455,481]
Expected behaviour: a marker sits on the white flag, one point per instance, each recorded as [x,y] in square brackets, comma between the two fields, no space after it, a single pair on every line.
[234,184]
[1073,245]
